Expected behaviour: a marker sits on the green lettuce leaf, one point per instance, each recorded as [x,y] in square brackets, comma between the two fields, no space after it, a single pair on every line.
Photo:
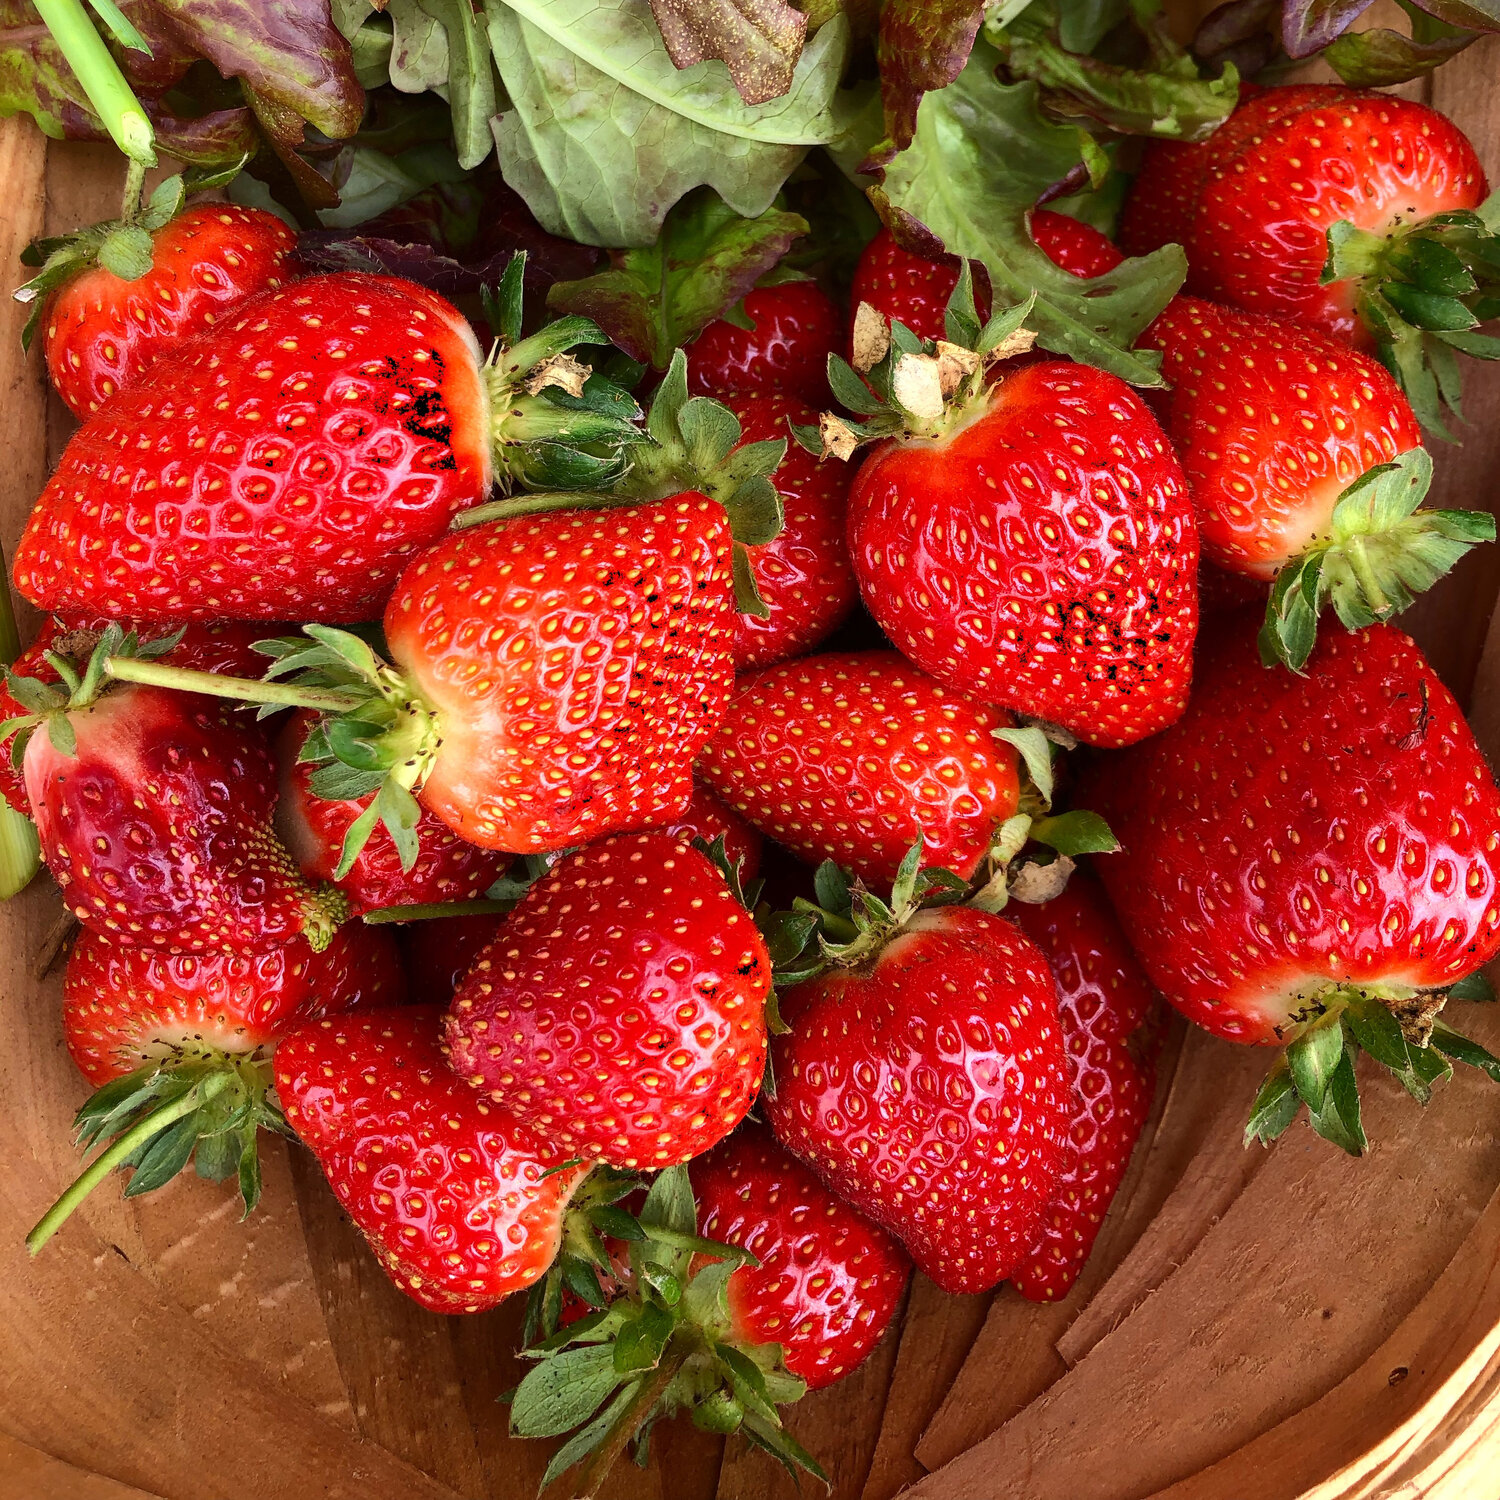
[981,156]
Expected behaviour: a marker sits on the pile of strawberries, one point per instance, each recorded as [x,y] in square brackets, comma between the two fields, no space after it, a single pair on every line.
[980,619]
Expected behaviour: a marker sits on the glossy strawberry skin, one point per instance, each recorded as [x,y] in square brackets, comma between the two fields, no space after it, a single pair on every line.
[796,328]
[1258,203]
[124,1007]
[1042,557]
[828,1282]
[313,829]
[915,291]
[928,1089]
[439,952]
[578,661]
[158,831]
[451,1192]
[706,817]
[621,1010]
[849,755]
[103,333]
[1106,1007]
[206,645]
[803,574]
[1296,831]
[1272,423]
[285,466]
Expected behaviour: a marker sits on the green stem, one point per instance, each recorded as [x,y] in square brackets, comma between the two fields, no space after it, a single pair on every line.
[106,1162]
[220,685]
[99,74]
[426,911]
[599,1463]
[533,505]
[135,182]
[1359,564]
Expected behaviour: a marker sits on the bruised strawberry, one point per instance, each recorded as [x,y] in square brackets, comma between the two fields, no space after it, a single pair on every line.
[794,327]
[461,1203]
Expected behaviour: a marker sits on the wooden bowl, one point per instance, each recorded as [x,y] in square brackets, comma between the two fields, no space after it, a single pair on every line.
[1254,1325]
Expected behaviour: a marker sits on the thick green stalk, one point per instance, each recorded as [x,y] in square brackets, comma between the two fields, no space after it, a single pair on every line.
[220,685]
[112,97]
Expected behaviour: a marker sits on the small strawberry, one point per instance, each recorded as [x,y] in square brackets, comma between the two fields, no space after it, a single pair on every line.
[622,1009]
[913,290]
[461,1203]
[1313,861]
[154,813]
[431,864]
[114,298]
[706,817]
[1349,211]
[1106,1007]
[923,1079]
[1305,466]
[179,1049]
[1026,538]
[778,342]
[294,461]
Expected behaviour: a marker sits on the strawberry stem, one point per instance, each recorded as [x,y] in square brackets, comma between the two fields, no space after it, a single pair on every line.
[119,1151]
[221,685]
[100,77]
[533,505]
[426,911]
[597,1468]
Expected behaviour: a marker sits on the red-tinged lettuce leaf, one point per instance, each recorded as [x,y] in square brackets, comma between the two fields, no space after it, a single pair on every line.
[653,300]
[1376,59]
[759,41]
[285,130]
[1244,33]
[981,155]
[923,45]
[1467,15]
[1307,26]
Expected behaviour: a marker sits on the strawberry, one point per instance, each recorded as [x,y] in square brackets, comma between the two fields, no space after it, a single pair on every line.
[107,316]
[154,813]
[1314,861]
[294,460]
[1349,211]
[922,1078]
[461,1203]
[439,952]
[621,1009]
[179,1049]
[706,817]
[1105,1005]
[1310,474]
[911,289]
[435,865]
[1027,540]
[792,329]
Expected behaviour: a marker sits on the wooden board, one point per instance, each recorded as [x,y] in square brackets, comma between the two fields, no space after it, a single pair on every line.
[1282,1325]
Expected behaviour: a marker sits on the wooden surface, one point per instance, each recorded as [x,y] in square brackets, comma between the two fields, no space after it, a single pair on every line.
[1254,1325]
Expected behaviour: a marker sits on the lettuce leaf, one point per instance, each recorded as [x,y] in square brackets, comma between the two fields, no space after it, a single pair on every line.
[759,41]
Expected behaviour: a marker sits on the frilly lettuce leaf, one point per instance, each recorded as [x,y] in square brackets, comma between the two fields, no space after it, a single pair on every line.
[759,41]
[923,45]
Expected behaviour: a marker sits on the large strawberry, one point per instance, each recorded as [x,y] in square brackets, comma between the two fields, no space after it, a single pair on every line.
[1305,466]
[179,1049]
[923,1079]
[462,1204]
[1027,538]
[777,343]
[113,298]
[789,1293]
[621,1010]
[290,462]
[1312,861]
[1350,211]
[1106,1007]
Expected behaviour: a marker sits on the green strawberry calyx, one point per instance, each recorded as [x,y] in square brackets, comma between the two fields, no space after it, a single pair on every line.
[1422,291]
[1382,550]
[194,1103]
[1395,1025]
[659,1338]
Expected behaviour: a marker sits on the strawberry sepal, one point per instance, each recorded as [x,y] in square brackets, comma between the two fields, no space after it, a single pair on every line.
[1381,552]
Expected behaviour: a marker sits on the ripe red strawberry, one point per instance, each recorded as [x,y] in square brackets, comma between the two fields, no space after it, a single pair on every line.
[460,1202]
[1378,190]
[1105,1005]
[102,332]
[1034,546]
[179,1048]
[796,327]
[291,463]
[621,1010]
[1312,859]
[850,755]
[439,952]
[706,817]
[915,291]
[803,574]
[828,1281]
[314,829]
[926,1085]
